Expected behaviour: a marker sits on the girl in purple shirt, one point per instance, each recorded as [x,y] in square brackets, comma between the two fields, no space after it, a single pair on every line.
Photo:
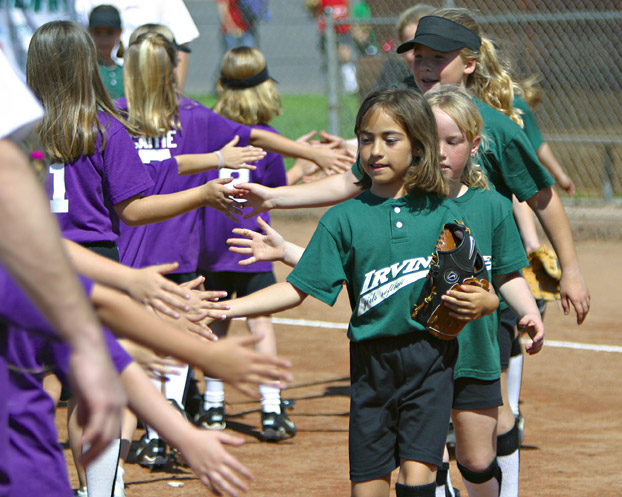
[97,177]
[247,94]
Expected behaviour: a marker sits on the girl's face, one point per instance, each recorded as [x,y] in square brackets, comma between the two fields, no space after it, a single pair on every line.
[454,147]
[386,153]
[431,68]
[105,40]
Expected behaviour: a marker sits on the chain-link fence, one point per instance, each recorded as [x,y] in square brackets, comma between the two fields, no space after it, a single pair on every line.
[574,47]
[574,50]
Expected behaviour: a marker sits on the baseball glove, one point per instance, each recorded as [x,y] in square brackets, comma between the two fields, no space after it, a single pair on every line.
[543,274]
[456,261]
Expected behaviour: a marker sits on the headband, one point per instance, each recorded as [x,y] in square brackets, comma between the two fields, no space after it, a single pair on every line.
[443,35]
[249,82]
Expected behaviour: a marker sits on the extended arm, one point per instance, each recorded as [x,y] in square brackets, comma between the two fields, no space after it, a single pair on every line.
[202,449]
[137,210]
[549,161]
[329,159]
[147,285]
[523,215]
[232,157]
[515,291]
[549,209]
[229,359]
[275,298]
[326,191]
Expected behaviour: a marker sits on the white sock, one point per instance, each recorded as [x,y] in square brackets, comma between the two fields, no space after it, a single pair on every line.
[442,480]
[270,398]
[214,395]
[175,387]
[515,379]
[448,484]
[509,470]
[100,474]
[150,434]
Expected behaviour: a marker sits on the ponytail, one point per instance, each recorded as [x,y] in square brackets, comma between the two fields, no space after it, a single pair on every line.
[149,85]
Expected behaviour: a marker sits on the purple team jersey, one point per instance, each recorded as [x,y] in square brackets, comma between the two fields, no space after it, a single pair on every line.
[177,239]
[215,255]
[36,462]
[84,192]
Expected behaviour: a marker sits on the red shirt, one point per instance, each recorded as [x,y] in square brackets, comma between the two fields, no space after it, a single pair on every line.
[340,11]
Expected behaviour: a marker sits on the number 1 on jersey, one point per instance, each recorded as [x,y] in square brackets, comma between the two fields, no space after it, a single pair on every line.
[59,203]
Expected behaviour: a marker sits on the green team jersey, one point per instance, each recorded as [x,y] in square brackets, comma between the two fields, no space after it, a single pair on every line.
[530,125]
[497,238]
[381,249]
[508,158]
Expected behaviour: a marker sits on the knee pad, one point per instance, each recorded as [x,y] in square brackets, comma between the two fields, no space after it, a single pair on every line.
[428,490]
[478,477]
[441,474]
[509,442]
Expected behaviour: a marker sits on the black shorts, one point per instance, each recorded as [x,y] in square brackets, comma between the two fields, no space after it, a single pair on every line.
[240,284]
[180,278]
[506,335]
[471,394]
[400,402]
[105,249]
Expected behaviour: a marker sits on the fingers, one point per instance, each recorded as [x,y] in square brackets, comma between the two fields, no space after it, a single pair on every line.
[263,225]
[166,268]
[307,136]
[192,284]
[160,306]
[535,329]
[212,295]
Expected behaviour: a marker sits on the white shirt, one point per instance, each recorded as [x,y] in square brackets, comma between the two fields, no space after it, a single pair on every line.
[19,108]
[171,13]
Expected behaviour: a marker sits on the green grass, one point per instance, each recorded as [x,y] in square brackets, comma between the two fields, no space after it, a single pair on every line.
[303,113]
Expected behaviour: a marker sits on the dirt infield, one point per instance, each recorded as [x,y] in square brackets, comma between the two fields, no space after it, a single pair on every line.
[572,400]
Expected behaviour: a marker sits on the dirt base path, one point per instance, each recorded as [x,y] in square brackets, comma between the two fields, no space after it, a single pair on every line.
[571,400]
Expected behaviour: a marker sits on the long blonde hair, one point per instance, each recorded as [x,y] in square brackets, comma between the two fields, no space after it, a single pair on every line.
[149,84]
[62,71]
[255,104]
[457,104]
[491,81]
[411,111]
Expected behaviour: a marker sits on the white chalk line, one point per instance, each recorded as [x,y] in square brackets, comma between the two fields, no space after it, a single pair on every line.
[548,343]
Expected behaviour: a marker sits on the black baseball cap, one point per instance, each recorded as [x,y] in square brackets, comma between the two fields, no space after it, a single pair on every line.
[105,16]
[443,35]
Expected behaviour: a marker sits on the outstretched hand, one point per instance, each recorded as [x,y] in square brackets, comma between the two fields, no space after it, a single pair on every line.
[238,157]
[217,469]
[219,196]
[258,198]
[260,247]
[237,364]
[149,287]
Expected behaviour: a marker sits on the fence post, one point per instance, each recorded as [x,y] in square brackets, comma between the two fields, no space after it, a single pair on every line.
[333,72]
[608,176]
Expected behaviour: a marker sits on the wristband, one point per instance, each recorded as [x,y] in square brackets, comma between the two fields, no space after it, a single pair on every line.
[221,159]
